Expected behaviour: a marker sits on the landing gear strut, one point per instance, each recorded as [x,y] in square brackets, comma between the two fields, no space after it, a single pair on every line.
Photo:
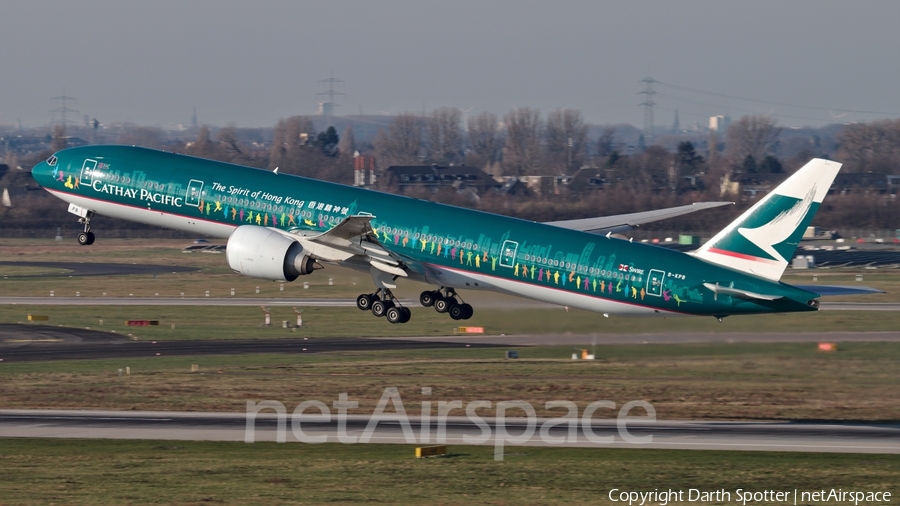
[383,303]
[86,238]
[445,301]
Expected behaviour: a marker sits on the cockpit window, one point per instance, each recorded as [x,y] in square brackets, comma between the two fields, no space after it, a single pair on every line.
[51,161]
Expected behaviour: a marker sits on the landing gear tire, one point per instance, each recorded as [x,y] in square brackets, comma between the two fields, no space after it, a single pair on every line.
[443,304]
[86,238]
[394,315]
[406,314]
[467,311]
[457,312]
[380,307]
[428,298]
[364,302]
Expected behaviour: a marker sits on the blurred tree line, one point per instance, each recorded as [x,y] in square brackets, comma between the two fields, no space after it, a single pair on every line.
[521,143]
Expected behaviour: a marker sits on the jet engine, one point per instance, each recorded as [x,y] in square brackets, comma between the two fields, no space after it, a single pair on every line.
[263,253]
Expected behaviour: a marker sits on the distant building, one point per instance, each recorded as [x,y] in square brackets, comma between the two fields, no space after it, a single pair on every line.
[719,123]
[870,183]
[363,170]
[433,177]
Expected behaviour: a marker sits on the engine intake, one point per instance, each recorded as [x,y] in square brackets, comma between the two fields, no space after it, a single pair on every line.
[263,253]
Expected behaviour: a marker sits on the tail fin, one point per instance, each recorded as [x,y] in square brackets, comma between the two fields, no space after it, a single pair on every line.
[765,237]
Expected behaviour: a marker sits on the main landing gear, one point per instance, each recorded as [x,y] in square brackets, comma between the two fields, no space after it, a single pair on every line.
[383,303]
[447,302]
[86,238]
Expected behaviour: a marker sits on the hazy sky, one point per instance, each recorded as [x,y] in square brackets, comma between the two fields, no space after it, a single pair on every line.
[250,63]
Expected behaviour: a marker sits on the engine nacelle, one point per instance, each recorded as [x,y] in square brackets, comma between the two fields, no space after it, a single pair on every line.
[263,253]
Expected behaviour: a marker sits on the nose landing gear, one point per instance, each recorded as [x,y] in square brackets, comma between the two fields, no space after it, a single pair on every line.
[86,238]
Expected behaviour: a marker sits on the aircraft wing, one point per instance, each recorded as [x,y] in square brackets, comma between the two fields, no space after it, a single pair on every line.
[625,222]
[352,240]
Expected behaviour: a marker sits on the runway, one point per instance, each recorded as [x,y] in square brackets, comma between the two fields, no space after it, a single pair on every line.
[324,302]
[95,269]
[839,437]
[59,344]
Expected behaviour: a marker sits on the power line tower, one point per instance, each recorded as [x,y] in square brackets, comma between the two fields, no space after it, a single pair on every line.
[62,109]
[327,108]
[648,104]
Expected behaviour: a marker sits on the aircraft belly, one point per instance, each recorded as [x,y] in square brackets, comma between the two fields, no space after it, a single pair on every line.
[149,216]
[471,280]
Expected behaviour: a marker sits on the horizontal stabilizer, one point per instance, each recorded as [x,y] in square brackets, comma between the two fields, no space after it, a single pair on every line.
[831,290]
[738,293]
[625,222]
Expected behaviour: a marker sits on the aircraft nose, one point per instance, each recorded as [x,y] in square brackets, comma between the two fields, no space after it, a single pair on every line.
[43,171]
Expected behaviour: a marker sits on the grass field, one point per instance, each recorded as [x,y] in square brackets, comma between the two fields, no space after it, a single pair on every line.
[166,472]
[721,381]
[211,322]
[213,274]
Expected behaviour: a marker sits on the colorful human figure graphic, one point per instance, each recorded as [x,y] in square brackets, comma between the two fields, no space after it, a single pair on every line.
[586,285]
[643,293]
[571,276]
[595,286]
[77,182]
[609,288]
[541,274]
[493,263]
[678,300]
[619,286]
[578,281]
[556,277]
[516,270]
[532,272]
[477,261]
[433,245]
[61,176]
[68,184]
[453,253]
[667,295]
[258,219]
[462,255]
[218,206]
[274,220]
[439,246]
[234,213]
[225,212]
[424,244]
[291,220]
[250,216]
[282,219]
[446,252]
[208,206]
[469,258]
[266,220]
[633,292]
[602,286]
[241,214]
[308,222]
[485,259]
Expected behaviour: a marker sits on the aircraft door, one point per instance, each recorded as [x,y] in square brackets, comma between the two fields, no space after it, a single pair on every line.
[655,282]
[194,193]
[87,170]
[508,253]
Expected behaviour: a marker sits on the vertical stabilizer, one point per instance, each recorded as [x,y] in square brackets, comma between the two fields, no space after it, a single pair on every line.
[763,239]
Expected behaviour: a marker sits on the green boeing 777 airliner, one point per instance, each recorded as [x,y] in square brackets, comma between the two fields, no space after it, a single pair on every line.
[280,227]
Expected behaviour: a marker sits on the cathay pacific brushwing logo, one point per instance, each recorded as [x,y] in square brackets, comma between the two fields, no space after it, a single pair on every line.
[781,227]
